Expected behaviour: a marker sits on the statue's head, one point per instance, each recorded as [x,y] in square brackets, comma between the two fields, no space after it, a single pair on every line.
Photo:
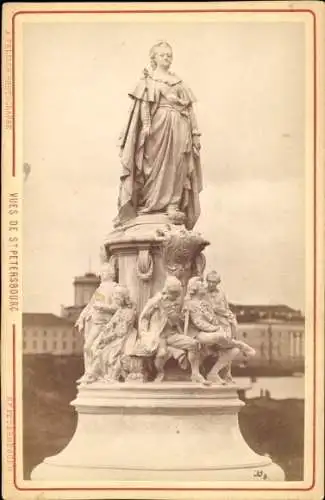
[107,272]
[161,55]
[213,279]
[195,286]
[172,288]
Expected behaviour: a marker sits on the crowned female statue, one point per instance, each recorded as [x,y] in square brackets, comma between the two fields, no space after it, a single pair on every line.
[160,147]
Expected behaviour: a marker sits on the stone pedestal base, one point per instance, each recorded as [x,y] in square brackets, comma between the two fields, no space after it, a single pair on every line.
[157,432]
[149,248]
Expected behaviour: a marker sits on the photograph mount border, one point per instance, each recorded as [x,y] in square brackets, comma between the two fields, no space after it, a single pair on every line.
[14,171]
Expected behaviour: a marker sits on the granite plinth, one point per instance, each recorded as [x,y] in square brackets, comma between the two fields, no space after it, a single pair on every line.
[157,432]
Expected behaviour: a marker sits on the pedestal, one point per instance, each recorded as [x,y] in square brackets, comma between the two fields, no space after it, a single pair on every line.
[149,248]
[157,432]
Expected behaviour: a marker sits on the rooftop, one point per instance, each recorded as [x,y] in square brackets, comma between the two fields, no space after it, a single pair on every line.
[44,320]
[266,313]
[268,307]
[87,277]
[74,307]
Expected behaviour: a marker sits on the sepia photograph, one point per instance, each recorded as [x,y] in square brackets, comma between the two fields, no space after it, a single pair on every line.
[161,251]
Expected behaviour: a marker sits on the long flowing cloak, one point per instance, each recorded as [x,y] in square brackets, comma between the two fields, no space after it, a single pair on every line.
[136,185]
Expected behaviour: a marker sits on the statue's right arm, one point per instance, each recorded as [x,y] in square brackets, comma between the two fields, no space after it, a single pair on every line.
[123,135]
[135,95]
[85,314]
[97,302]
[80,323]
[145,117]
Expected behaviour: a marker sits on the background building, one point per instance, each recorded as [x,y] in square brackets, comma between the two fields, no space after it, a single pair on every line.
[256,313]
[84,287]
[45,333]
[277,343]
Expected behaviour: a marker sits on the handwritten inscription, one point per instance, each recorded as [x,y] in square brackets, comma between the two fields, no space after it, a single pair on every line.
[260,474]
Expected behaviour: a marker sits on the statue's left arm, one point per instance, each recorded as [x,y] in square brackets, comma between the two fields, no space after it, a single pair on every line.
[194,124]
[195,131]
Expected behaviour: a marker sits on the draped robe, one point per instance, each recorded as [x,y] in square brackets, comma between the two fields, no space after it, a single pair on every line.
[160,166]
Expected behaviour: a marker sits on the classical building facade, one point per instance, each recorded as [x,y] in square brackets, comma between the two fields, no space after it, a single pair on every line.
[275,342]
[276,332]
[45,333]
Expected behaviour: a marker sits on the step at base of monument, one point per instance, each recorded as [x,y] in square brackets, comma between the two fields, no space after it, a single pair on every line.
[157,432]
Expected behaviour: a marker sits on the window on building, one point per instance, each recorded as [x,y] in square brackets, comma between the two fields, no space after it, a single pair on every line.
[55,344]
[54,333]
[64,345]
[74,345]
[24,344]
[64,334]
[44,345]
[35,344]
[244,335]
[262,349]
[24,332]
[35,334]
[44,333]
[262,333]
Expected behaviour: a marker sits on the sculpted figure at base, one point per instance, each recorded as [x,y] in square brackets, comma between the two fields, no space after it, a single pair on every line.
[116,340]
[225,316]
[223,312]
[161,331]
[160,147]
[95,318]
[220,304]
[204,325]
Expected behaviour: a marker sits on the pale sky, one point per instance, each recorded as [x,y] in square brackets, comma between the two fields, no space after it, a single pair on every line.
[249,82]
